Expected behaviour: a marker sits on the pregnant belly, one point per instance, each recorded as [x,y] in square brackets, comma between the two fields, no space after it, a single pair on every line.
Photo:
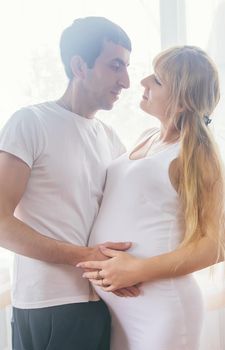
[143,245]
[148,238]
[170,308]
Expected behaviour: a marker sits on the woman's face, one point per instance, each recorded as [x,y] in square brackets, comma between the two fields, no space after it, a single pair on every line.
[155,98]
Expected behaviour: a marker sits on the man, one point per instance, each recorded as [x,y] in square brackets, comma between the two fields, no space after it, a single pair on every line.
[53,163]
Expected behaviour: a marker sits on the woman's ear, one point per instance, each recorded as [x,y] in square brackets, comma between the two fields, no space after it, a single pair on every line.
[179,121]
[78,67]
[181,108]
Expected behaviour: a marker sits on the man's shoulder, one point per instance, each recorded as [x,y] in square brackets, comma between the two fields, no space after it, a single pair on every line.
[35,113]
[39,107]
[29,111]
[28,120]
[23,135]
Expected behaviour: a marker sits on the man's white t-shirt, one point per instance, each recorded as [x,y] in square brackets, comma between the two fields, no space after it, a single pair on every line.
[68,156]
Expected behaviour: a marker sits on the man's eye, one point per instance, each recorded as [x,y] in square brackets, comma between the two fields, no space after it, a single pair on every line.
[115,66]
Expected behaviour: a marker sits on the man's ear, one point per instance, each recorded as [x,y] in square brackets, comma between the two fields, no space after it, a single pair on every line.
[78,67]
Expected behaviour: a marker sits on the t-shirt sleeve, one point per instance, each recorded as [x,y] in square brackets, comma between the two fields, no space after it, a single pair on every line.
[22,136]
[118,146]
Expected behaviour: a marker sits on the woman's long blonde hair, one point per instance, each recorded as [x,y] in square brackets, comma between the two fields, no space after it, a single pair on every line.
[194,88]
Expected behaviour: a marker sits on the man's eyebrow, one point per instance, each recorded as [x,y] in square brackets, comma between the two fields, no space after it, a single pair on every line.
[119,60]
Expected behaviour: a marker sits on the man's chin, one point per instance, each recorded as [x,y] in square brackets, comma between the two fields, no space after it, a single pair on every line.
[108,106]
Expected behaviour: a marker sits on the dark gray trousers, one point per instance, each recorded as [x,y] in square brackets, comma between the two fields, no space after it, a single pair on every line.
[80,326]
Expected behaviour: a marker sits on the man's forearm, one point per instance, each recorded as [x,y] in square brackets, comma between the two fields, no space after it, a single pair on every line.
[24,240]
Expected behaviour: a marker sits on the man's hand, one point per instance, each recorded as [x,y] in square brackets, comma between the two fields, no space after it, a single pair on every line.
[121,271]
[133,291]
[96,254]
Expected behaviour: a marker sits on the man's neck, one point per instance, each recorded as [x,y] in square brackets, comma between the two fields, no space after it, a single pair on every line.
[73,101]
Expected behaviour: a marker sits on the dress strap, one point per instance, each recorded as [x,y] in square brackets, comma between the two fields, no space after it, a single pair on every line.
[146,135]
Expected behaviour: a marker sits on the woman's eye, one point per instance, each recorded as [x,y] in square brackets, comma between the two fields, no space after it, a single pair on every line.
[157,81]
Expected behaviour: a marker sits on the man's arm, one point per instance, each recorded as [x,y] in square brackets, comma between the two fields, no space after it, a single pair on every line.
[19,237]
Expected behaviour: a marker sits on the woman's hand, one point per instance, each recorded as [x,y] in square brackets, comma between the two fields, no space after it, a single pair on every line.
[122,270]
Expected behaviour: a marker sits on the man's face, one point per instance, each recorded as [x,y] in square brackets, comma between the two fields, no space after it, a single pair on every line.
[103,83]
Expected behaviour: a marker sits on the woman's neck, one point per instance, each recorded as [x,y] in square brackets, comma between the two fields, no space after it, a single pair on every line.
[168,134]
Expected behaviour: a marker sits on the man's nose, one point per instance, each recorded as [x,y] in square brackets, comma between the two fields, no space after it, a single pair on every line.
[124,80]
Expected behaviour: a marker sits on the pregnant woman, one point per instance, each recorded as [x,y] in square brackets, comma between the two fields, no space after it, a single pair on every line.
[165,196]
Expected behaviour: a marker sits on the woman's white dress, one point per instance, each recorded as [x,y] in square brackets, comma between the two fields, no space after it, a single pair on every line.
[140,205]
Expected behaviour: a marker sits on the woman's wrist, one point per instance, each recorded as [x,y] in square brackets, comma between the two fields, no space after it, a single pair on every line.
[150,269]
[141,270]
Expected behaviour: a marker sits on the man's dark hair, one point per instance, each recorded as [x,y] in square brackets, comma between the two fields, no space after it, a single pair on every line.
[85,38]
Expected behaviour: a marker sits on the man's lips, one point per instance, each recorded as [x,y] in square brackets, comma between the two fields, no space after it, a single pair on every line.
[145,97]
[116,93]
